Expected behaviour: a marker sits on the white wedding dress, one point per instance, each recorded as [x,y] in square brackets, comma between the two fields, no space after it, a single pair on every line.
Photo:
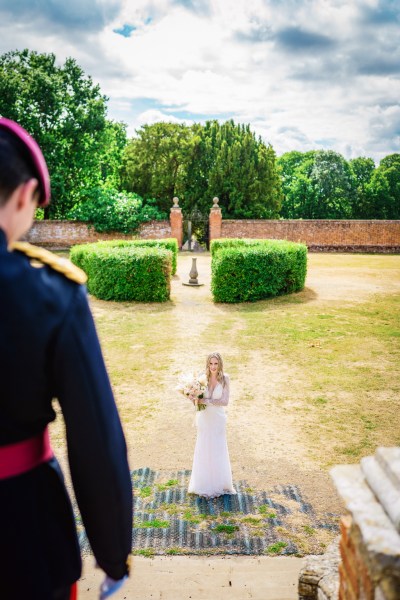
[211,471]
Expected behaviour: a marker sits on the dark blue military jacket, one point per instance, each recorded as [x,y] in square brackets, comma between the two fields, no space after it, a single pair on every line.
[49,349]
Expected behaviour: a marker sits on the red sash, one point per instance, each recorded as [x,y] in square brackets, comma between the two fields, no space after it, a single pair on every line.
[19,458]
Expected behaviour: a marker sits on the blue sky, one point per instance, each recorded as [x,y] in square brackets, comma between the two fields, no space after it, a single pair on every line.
[304,73]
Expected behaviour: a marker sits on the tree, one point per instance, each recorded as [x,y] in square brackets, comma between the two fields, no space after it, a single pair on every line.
[378,199]
[294,169]
[334,186]
[65,112]
[202,161]
[154,162]
[243,173]
[390,166]
[317,185]
[383,191]
[111,154]
[363,169]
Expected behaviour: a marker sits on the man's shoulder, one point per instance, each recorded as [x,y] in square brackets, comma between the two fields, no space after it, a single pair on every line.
[39,257]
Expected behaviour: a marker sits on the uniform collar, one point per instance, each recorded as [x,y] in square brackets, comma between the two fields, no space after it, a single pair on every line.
[3,239]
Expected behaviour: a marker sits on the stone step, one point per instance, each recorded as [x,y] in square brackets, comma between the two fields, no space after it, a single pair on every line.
[382,481]
[389,459]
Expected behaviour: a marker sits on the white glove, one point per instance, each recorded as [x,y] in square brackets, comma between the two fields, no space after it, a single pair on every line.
[110,586]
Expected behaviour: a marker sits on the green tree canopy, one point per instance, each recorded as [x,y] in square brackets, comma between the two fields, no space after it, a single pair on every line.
[242,172]
[65,112]
[317,185]
[199,162]
[294,168]
[154,162]
[383,191]
[334,186]
[363,169]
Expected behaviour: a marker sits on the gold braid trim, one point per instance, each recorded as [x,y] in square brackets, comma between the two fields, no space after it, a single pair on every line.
[62,265]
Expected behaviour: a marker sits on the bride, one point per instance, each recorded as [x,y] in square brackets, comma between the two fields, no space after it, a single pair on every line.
[211,471]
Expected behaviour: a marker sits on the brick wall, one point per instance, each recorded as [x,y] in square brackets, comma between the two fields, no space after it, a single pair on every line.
[63,234]
[325,235]
[320,235]
[355,578]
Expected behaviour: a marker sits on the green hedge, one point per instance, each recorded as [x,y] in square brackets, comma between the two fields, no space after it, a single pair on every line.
[166,243]
[118,272]
[250,270]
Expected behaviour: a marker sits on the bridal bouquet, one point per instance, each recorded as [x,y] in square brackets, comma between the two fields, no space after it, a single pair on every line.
[191,384]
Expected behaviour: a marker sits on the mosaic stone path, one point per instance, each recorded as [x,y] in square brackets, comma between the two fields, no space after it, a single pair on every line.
[168,520]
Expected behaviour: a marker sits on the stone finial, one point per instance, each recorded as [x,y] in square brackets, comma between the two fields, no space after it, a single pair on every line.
[215,202]
[175,200]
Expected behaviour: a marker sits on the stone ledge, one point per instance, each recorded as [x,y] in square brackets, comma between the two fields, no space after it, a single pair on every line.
[383,486]
[319,577]
[377,532]
[389,458]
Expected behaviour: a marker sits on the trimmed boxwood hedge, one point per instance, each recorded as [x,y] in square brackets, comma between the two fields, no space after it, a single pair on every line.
[249,270]
[167,243]
[119,272]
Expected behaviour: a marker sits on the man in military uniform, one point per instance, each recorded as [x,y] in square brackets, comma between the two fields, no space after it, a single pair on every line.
[49,349]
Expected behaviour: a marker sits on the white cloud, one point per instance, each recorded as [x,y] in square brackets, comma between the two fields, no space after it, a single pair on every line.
[304,74]
[151,116]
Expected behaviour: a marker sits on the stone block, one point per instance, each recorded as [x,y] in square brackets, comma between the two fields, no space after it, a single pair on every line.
[389,459]
[382,482]
[370,539]
[320,573]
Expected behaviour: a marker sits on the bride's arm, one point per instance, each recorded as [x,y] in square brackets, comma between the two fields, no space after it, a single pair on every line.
[224,400]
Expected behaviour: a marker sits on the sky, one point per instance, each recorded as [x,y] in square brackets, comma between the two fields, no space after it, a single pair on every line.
[306,74]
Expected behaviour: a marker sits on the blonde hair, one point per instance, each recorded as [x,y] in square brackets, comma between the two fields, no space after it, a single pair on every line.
[220,372]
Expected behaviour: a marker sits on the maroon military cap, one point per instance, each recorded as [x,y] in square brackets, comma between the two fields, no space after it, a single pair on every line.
[35,154]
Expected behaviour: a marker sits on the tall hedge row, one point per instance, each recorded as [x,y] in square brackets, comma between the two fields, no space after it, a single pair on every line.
[250,270]
[166,243]
[118,272]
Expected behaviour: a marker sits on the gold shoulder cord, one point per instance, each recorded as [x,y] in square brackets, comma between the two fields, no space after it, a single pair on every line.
[62,265]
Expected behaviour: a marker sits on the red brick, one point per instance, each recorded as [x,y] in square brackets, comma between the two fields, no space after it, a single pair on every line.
[345,524]
[215,223]
[63,234]
[350,567]
[346,591]
[176,220]
[321,234]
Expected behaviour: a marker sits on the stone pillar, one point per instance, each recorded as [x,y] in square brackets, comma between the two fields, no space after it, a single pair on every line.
[370,532]
[215,221]
[176,220]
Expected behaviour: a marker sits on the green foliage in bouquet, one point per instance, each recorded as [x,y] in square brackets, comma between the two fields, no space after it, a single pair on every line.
[140,274]
[250,270]
[166,243]
[108,209]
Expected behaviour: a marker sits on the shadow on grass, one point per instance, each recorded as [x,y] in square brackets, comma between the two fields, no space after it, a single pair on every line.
[275,303]
[122,305]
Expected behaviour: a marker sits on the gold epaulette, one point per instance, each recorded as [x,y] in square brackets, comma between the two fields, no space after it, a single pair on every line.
[45,257]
